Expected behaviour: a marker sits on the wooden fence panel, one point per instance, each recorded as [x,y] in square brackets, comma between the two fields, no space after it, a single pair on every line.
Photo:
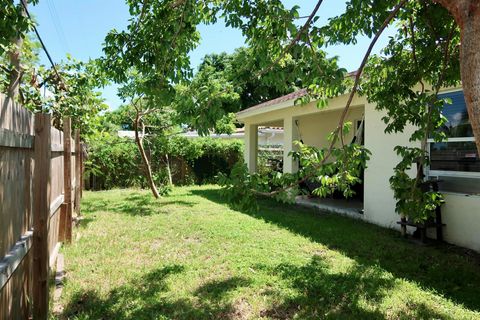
[15,163]
[13,184]
[16,156]
[15,296]
[56,193]
[32,192]
[14,117]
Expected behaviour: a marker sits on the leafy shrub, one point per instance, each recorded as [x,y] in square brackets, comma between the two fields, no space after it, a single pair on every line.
[115,162]
[339,175]
[112,162]
[217,156]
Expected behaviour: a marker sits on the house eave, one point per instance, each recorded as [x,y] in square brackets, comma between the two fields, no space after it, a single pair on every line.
[245,114]
[274,104]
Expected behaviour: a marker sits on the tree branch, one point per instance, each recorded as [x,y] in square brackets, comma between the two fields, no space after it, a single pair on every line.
[356,84]
[294,40]
[446,58]
[339,130]
[414,52]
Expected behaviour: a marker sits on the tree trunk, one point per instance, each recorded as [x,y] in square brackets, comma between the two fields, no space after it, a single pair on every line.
[470,69]
[467,15]
[15,73]
[13,90]
[169,171]
[146,163]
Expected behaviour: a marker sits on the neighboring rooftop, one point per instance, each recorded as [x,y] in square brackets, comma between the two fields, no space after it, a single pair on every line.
[238,134]
[127,134]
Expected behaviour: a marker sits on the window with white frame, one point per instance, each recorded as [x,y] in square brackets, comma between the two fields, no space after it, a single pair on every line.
[456,161]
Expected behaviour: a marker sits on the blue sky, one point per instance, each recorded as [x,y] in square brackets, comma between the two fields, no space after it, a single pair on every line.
[79,27]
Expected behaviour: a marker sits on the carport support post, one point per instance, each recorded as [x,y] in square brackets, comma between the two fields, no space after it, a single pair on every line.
[290,132]
[251,146]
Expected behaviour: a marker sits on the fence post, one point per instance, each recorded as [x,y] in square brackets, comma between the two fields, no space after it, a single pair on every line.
[41,214]
[78,169]
[66,224]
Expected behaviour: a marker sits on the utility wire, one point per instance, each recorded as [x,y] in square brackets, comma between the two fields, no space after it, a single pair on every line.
[57,23]
[41,41]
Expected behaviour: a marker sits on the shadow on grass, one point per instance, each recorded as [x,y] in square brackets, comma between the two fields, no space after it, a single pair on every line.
[92,206]
[136,204]
[215,289]
[84,222]
[326,295]
[452,275]
[144,298]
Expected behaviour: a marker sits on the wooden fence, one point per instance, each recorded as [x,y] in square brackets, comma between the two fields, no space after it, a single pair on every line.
[38,201]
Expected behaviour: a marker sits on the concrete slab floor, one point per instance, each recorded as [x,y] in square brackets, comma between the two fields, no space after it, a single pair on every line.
[349,207]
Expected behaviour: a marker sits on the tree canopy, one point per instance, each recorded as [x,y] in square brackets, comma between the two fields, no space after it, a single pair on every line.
[224,85]
[68,88]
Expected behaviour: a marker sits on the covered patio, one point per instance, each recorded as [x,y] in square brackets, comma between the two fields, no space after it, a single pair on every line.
[308,124]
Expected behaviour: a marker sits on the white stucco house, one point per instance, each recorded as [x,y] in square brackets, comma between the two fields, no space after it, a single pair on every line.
[456,162]
[130,134]
[267,136]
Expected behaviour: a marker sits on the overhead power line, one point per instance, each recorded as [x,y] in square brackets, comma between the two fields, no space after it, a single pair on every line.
[57,23]
[41,41]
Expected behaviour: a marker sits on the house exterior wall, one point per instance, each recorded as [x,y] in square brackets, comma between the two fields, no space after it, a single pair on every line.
[314,129]
[460,213]
[379,203]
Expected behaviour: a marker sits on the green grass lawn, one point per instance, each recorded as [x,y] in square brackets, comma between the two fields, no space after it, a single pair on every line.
[189,256]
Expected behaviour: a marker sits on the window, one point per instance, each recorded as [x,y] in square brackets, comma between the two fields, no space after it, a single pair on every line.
[454,156]
[455,162]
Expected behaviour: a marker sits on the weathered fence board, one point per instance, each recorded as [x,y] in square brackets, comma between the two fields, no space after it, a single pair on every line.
[14,257]
[14,139]
[66,228]
[15,298]
[41,200]
[14,117]
[33,190]
[16,157]
[78,171]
